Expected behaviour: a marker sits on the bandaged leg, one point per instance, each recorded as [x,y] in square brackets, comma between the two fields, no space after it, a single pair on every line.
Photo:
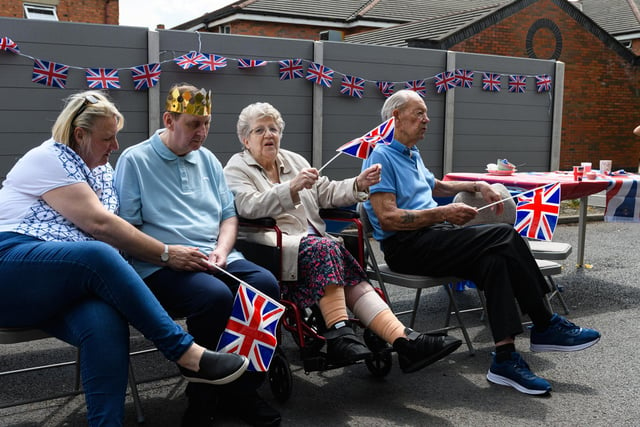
[333,306]
[373,312]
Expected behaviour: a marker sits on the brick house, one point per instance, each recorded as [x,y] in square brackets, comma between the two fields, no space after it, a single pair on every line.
[90,11]
[601,91]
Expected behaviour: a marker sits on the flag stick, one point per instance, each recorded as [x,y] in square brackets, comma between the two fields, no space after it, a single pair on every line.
[511,197]
[331,160]
[227,273]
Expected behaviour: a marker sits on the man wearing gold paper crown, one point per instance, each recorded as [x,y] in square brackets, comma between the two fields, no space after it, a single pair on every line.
[173,188]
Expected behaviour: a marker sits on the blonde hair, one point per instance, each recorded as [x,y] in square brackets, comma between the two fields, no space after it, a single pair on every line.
[257,111]
[81,112]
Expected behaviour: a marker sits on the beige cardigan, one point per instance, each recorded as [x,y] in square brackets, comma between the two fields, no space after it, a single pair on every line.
[257,197]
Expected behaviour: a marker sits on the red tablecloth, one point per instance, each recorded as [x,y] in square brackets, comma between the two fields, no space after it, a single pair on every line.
[521,181]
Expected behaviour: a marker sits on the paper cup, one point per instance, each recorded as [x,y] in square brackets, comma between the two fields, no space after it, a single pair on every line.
[605,166]
[586,166]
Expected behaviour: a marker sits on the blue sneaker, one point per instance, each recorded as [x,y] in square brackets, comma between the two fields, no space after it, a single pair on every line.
[562,335]
[515,373]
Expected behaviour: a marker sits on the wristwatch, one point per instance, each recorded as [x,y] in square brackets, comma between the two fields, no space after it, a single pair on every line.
[165,254]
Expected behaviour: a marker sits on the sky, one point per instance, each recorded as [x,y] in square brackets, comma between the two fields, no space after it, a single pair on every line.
[143,13]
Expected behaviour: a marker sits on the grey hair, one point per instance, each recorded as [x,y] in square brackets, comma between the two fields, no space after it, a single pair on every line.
[395,102]
[257,111]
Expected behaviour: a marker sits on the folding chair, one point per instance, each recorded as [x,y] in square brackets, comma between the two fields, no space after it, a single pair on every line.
[20,335]
[383,275]
[544,252]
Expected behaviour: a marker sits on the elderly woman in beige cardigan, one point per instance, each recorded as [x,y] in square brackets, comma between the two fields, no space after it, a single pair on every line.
[271,182]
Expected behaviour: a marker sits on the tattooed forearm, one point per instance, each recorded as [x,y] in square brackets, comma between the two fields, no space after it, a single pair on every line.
[408,218]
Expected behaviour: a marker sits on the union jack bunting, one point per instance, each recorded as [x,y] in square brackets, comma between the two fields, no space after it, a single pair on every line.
[319,74]
[445,81]
[537,212]
[251,329]
[623,200]
[188,60]
[543,83]
[491,82]
[49,73]
[290,69]
[146,76]
[517,84]
[352,86]
[417,86]
[386,88]
[250,63]
[361,147]
[103,78]
[9,45]
[464,78]
[211,62]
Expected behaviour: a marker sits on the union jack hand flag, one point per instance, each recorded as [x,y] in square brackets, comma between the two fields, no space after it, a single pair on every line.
[352,86]
[211,62]
[361,147]
[103,78]
[386,88]
[319,74]
[49,73]
[250,63]
[517,84]
[188,60]
[464,78]
[417,86]
[445,81]
[623,200]
[9,45]
[146,76]
[543,83]
[491,82]
[251,329]
[290,69]
[537,212]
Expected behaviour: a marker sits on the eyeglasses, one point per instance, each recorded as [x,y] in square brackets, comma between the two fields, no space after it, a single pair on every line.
[89,99]
[261,131]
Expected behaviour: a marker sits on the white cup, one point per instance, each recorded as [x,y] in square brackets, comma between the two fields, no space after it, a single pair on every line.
[605,166]
[586,166]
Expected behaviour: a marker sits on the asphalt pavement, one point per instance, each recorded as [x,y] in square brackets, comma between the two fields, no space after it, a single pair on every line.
[594,387]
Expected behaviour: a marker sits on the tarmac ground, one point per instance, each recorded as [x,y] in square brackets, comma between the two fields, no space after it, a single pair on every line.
[594,387]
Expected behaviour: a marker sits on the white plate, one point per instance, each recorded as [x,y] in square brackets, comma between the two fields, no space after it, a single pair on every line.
[501,173]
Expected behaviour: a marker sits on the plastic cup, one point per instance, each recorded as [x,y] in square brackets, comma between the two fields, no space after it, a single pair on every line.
[586,166]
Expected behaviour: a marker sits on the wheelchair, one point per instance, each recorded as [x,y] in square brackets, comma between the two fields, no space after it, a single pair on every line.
[306,326]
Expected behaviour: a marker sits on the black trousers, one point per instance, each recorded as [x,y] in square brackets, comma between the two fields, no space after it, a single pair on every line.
[495,257]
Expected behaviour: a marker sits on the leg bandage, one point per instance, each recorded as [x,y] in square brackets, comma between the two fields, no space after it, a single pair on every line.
[374,312]
[333,306]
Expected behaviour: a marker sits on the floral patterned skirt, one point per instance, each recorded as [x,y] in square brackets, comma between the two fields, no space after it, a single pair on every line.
[321,262]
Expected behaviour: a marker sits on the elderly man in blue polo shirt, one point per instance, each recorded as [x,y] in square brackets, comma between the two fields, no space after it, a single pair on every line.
[420,237]
[174,189]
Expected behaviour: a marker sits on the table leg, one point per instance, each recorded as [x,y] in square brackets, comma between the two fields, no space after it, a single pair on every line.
[582,229]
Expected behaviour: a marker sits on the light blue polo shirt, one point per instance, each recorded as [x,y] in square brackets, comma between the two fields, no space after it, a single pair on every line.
[179,200]
[403,174]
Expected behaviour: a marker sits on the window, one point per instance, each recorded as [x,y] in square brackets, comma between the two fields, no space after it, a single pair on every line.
[225,29]
[627,43]
[40,11]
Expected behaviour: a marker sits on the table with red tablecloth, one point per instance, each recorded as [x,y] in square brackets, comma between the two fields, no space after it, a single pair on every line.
[570,189]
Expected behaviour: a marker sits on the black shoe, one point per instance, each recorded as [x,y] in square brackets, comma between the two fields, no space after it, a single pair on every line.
[419,350]
[344,347]
[217,368]
[251,408]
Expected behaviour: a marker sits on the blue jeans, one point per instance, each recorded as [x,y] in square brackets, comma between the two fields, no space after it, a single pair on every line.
[86,294]
[206,301]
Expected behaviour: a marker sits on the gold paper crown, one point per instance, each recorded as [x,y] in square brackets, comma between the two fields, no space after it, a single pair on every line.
[196,103]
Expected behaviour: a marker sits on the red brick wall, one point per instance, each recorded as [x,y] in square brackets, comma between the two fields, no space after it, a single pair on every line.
[601,91]
[90,11]
[291,31]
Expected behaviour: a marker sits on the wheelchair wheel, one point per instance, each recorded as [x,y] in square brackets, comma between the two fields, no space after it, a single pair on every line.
[379,364]
[280,378]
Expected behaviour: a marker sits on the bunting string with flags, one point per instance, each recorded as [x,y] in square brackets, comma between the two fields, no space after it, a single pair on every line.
[146,76]
[252,326]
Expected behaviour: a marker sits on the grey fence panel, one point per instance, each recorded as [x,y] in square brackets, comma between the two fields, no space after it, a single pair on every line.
[492,125]
[233,88]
